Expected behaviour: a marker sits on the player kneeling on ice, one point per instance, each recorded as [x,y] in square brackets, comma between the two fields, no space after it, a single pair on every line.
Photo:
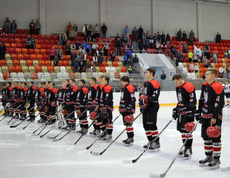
[184,111]
[127,108]
[210,114]
[148,102]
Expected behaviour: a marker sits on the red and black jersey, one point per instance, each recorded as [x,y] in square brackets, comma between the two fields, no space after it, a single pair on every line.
[52,96]
[81,99]
[71,95]
[152,91]
[47,93]
[61,95]
[14,93]
[31,93]
[106,97]
[127,99]
[211,100]
[39,95]
[186,97]
[4,94]
[98,94]
[92,96]
[22,94]
[9,91]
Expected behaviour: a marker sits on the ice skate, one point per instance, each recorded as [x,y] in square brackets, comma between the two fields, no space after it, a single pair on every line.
[154,146]
[208,159]
[128,141]
[215,163]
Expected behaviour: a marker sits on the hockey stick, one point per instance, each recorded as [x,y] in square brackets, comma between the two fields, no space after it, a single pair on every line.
[30,122]
[225,169]
[88,147]
[146,149]
[45,123]
[3,118]
[153,175]
[99,154]
[13,116]
[70,129]
[53,128]
[13,126]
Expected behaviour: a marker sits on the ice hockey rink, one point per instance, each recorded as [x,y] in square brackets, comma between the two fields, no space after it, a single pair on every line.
[23,155]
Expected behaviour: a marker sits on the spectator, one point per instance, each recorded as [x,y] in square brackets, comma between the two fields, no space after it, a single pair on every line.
[67,48]
[146,41]
[64,39]
[84,30]
[179,35]
[53,53]
[104,30]
[191,38]
[226,54]
[163,37]
[72,48]
[206,47]
[93,37]
[83,44]
[95,59]
[89,32]
[85,56]
[55,62]
[214,56]
[141,89]
[59,39]
[73,56]
[163,47]
[195,58]
[221,72]
[117,37]
[158,37]
[28,42]
[190,56]
[59,53]
[81,65]
[168,39]
[185,48]
[96,30]
[87,64]
[93,69]
[38,27]
[135,62]
[151,42]
[102,52]
[113,55]
[32,27]
[218,38]
[72,34]
[125,59]
[135,87]
[192,67]
[140,32]
[88,48]
[124,40]
[134,34]
[68,28]
[118,46]
[157,46]
[7,25]
[130,70]
[173,49]
[80,50]
[100,60]
[2,50]
[75,28]
[14,27]
[180,47]
[205,62]
[226,71]
[196,68]
[207,53]
[140,45]
[77,45]
[163,75]
[129,55]
[178,56]
[94,47]
[75,64]
[184,36]
[126,31]
[106,47]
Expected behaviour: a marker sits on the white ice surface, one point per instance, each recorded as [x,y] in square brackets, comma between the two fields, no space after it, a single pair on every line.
[24,156]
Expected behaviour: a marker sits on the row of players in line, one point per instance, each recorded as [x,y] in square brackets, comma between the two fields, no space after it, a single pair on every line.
[99,99]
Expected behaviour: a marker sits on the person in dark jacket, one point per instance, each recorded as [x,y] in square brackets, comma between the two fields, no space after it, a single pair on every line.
[140,32]
[218,37]
[104,30]
[2,50]
[134,33]
[13,27]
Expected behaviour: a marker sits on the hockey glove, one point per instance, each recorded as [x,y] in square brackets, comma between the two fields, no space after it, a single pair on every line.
[175,113]
[198,116]
[104,113]
[129,109]
[143,101]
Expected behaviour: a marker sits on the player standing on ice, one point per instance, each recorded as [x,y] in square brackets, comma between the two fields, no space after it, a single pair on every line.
[210,114]
[127,107]
[227,92]
[184,111]
[149,103]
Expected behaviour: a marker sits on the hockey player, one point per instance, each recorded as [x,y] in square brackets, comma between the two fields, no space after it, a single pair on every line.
[47,91]
[127,107]
[9,90]
[149,103]
[70,101]
[210,114]
[97,103]
[17,100]
[184,111]
[106,108]
[23,96]
[4,97]
[91,103]
[31,100]
[14,104]
[52,103]
[81,103]
[227,92]
[40,101]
